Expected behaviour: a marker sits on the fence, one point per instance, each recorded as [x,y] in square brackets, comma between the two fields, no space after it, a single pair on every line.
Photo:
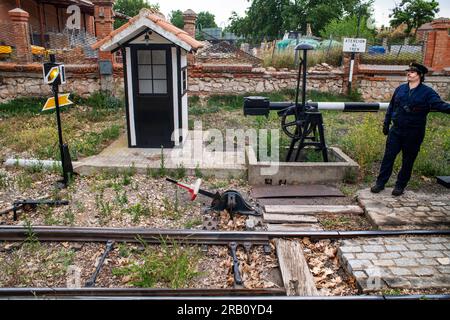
[393,52]
[281,53]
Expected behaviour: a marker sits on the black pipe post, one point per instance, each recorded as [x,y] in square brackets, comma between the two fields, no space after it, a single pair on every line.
[304,80]
[55,89]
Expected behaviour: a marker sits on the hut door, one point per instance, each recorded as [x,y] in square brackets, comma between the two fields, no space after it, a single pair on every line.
[152,82]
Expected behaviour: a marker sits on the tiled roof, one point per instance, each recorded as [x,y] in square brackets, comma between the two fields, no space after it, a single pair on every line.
[159,21]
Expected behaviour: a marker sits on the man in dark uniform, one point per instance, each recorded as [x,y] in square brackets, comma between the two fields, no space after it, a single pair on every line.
[408,112]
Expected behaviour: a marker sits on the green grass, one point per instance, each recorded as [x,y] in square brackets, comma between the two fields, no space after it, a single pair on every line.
[170,265]
[137,211]
[88,126]
[22,107]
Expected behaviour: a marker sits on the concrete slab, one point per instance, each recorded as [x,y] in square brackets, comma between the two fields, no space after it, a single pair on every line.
[413,210]
[221,164]
[311,210]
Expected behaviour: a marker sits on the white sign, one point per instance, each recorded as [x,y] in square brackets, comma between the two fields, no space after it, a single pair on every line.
[354,45]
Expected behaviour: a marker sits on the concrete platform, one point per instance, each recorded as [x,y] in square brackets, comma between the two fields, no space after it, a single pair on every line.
[412,210]
[338,169]
[190,156]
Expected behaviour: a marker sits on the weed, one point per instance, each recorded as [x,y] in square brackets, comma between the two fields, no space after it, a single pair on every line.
[49,218]
[198,172]
[124,252]
[104,208]
[79,206]
[37,167]
[193,223]
[24,181]
[179,172]
[121,198]
[4,183]
[392,292]
[69,217]
[193,100]
[171,265]
[128,173]
[162,166]
[219,184]
[137,211]
[31,240]
[66,257]
[171,207]
[103,100]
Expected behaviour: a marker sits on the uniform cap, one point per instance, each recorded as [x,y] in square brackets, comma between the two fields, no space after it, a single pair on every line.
[413,66]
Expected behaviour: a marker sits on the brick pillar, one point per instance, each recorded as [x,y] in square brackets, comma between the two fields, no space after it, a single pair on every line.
[190,18]
[21,34]
[103,17]
[90,25]
[437,47]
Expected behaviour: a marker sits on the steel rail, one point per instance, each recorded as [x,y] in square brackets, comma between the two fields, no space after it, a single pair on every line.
[85,234]
[267,294]
[136,292]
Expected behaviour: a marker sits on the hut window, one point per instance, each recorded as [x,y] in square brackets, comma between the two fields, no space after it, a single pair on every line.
[152,71]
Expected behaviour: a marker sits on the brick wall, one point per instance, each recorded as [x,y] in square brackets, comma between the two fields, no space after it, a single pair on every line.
[437,53]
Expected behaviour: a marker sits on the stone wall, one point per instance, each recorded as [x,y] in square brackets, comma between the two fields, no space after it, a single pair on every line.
[26,80]
[244,79]
[17,81]
[381,88]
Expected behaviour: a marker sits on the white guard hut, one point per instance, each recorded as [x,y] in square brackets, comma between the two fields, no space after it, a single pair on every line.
[155,69]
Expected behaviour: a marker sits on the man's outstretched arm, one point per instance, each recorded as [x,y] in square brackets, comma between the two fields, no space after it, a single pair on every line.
[437,104]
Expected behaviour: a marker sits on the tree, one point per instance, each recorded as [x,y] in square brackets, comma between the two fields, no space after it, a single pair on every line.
[413,13]
[271,18]
[338,29]
[130,8]
[205,19]
[176,18]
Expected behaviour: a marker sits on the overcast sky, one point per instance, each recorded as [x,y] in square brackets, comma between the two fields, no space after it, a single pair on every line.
[222,8]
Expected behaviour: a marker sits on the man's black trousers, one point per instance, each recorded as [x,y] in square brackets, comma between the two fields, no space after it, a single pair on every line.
[408,141]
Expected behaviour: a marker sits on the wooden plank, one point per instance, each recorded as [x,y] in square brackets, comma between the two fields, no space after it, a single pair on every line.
[289,218]
[295,191]
[292,227]
[297,278]
[311,210]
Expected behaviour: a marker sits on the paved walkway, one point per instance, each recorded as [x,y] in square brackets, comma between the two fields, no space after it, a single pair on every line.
[397,263]
[191,156]
[412,210]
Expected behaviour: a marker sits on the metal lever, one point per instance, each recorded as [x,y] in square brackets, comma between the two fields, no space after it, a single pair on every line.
[91,281]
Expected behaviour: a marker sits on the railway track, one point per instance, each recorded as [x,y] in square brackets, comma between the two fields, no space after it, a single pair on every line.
[191,237]
[154,236]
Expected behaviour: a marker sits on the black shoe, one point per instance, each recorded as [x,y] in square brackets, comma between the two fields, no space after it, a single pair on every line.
[376,188]
[397,191]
